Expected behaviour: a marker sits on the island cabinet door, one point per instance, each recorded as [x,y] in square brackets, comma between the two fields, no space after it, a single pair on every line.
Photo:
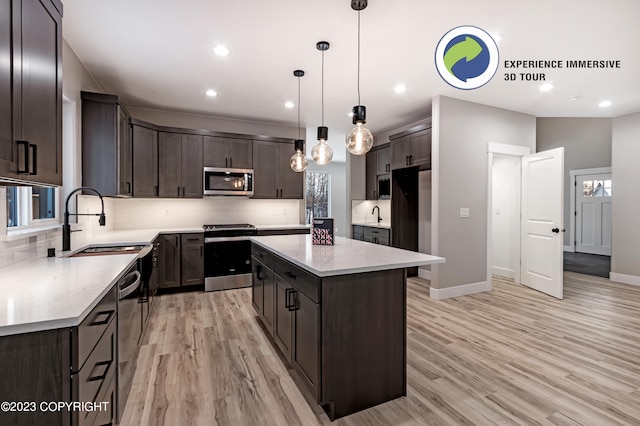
[306,341]
[283,332]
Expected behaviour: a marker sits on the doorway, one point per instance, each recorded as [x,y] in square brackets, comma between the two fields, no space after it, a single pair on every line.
[524,217]
[589,249]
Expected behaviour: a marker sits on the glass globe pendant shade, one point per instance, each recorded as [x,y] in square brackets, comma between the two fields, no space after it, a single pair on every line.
[359,140]
[298,160]
[322,153]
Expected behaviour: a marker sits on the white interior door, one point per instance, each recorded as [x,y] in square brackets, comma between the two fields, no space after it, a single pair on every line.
[593,213]
[542,221]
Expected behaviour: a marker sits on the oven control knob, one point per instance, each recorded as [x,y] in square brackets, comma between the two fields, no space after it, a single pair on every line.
[247,262]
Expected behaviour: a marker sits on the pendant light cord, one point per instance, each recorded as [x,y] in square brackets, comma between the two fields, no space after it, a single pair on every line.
[322,88]
[298,107]
[359,58]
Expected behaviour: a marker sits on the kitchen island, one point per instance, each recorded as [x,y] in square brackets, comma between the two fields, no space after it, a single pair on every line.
[338,315]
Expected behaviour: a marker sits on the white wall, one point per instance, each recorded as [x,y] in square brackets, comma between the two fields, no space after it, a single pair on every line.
[505,210]
[424,214]
[361,211]
[625,266]
[587,145]
[461,134]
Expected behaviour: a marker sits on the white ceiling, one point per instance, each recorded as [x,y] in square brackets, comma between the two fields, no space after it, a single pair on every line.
[159,54]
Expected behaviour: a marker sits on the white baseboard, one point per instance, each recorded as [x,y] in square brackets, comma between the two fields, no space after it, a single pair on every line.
[625,279]
[570,249]
[424,273]
[459,290]
[503,272]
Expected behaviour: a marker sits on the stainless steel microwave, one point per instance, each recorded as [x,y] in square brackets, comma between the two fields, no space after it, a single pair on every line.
[224,181]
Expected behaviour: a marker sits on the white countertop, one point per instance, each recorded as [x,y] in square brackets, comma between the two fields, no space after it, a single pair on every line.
[49,293]
[385,225]
[270,227]
[347,256]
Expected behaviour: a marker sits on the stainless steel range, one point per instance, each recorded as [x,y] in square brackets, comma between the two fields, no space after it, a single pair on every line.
[227,256]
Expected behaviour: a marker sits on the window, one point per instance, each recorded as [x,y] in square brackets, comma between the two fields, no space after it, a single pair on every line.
[30,206]
[317,196]
[596,188]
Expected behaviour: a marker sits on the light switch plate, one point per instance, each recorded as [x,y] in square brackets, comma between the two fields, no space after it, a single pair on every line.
[464,211]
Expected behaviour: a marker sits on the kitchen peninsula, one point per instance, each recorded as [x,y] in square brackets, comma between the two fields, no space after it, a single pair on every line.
[338,315]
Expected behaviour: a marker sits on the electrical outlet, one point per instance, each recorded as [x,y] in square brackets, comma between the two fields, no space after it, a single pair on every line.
[497,211]
[166,212]
[464,211]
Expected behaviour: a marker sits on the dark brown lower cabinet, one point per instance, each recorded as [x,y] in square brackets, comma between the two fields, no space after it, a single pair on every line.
[344,336]
[169,260]
[77,364]
[192,259]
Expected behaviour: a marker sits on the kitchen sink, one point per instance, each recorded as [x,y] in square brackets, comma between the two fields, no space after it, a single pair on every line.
[108,250]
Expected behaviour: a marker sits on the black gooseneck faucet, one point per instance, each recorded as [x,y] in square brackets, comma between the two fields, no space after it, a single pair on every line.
[374,209]
[66,228]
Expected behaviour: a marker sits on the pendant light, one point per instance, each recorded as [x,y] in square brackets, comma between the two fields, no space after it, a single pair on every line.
[299,161]
[359,140]
[322,153]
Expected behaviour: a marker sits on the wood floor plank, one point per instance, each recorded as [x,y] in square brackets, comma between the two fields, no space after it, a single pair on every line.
[505,357]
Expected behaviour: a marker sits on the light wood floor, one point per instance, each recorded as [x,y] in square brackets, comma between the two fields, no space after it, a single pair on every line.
[511,356]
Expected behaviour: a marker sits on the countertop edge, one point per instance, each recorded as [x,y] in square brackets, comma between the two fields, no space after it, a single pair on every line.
[348,271]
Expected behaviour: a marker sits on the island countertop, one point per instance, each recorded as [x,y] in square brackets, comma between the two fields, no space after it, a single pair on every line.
[347,256]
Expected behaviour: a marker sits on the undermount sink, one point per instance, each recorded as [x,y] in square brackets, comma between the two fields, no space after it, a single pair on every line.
[107,250]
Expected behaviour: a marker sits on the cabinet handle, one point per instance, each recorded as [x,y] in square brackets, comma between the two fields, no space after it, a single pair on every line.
[183,191]
[102,364]
[406,160]
[411,159]
[387,167]
[128,187]
[25,146]
[259,273]
[34,159]
[103,321]
[226,162]
[178,191]
[290,275]
[155,188]
[287,292]
[277,192]
[201,251]
[292,305]
[231,162]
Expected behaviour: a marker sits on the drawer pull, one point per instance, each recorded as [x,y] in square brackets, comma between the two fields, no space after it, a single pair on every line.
[291,304]
[105,320]
[290,275]
[105,366]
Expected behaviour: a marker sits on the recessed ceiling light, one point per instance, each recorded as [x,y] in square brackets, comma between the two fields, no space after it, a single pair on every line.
[400,88]
[605,104]
[546,87]
[221,50]
[212,93]
[289,104]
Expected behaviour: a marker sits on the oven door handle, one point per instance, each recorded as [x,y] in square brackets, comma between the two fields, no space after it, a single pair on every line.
[131,288]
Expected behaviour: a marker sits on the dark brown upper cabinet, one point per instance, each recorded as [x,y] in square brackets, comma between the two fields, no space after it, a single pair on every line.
[411,149]
[273,177]
[377,166]
[228,152]
[30,99]
[106,145]
[180,165]
[145,162]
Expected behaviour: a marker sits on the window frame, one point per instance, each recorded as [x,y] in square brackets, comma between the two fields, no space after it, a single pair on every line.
[23,209]
[328,174]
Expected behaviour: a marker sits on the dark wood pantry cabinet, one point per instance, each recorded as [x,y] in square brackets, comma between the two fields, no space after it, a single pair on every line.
[106,145]
[31,91]
[228,152]
[273,176]
[192,259]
